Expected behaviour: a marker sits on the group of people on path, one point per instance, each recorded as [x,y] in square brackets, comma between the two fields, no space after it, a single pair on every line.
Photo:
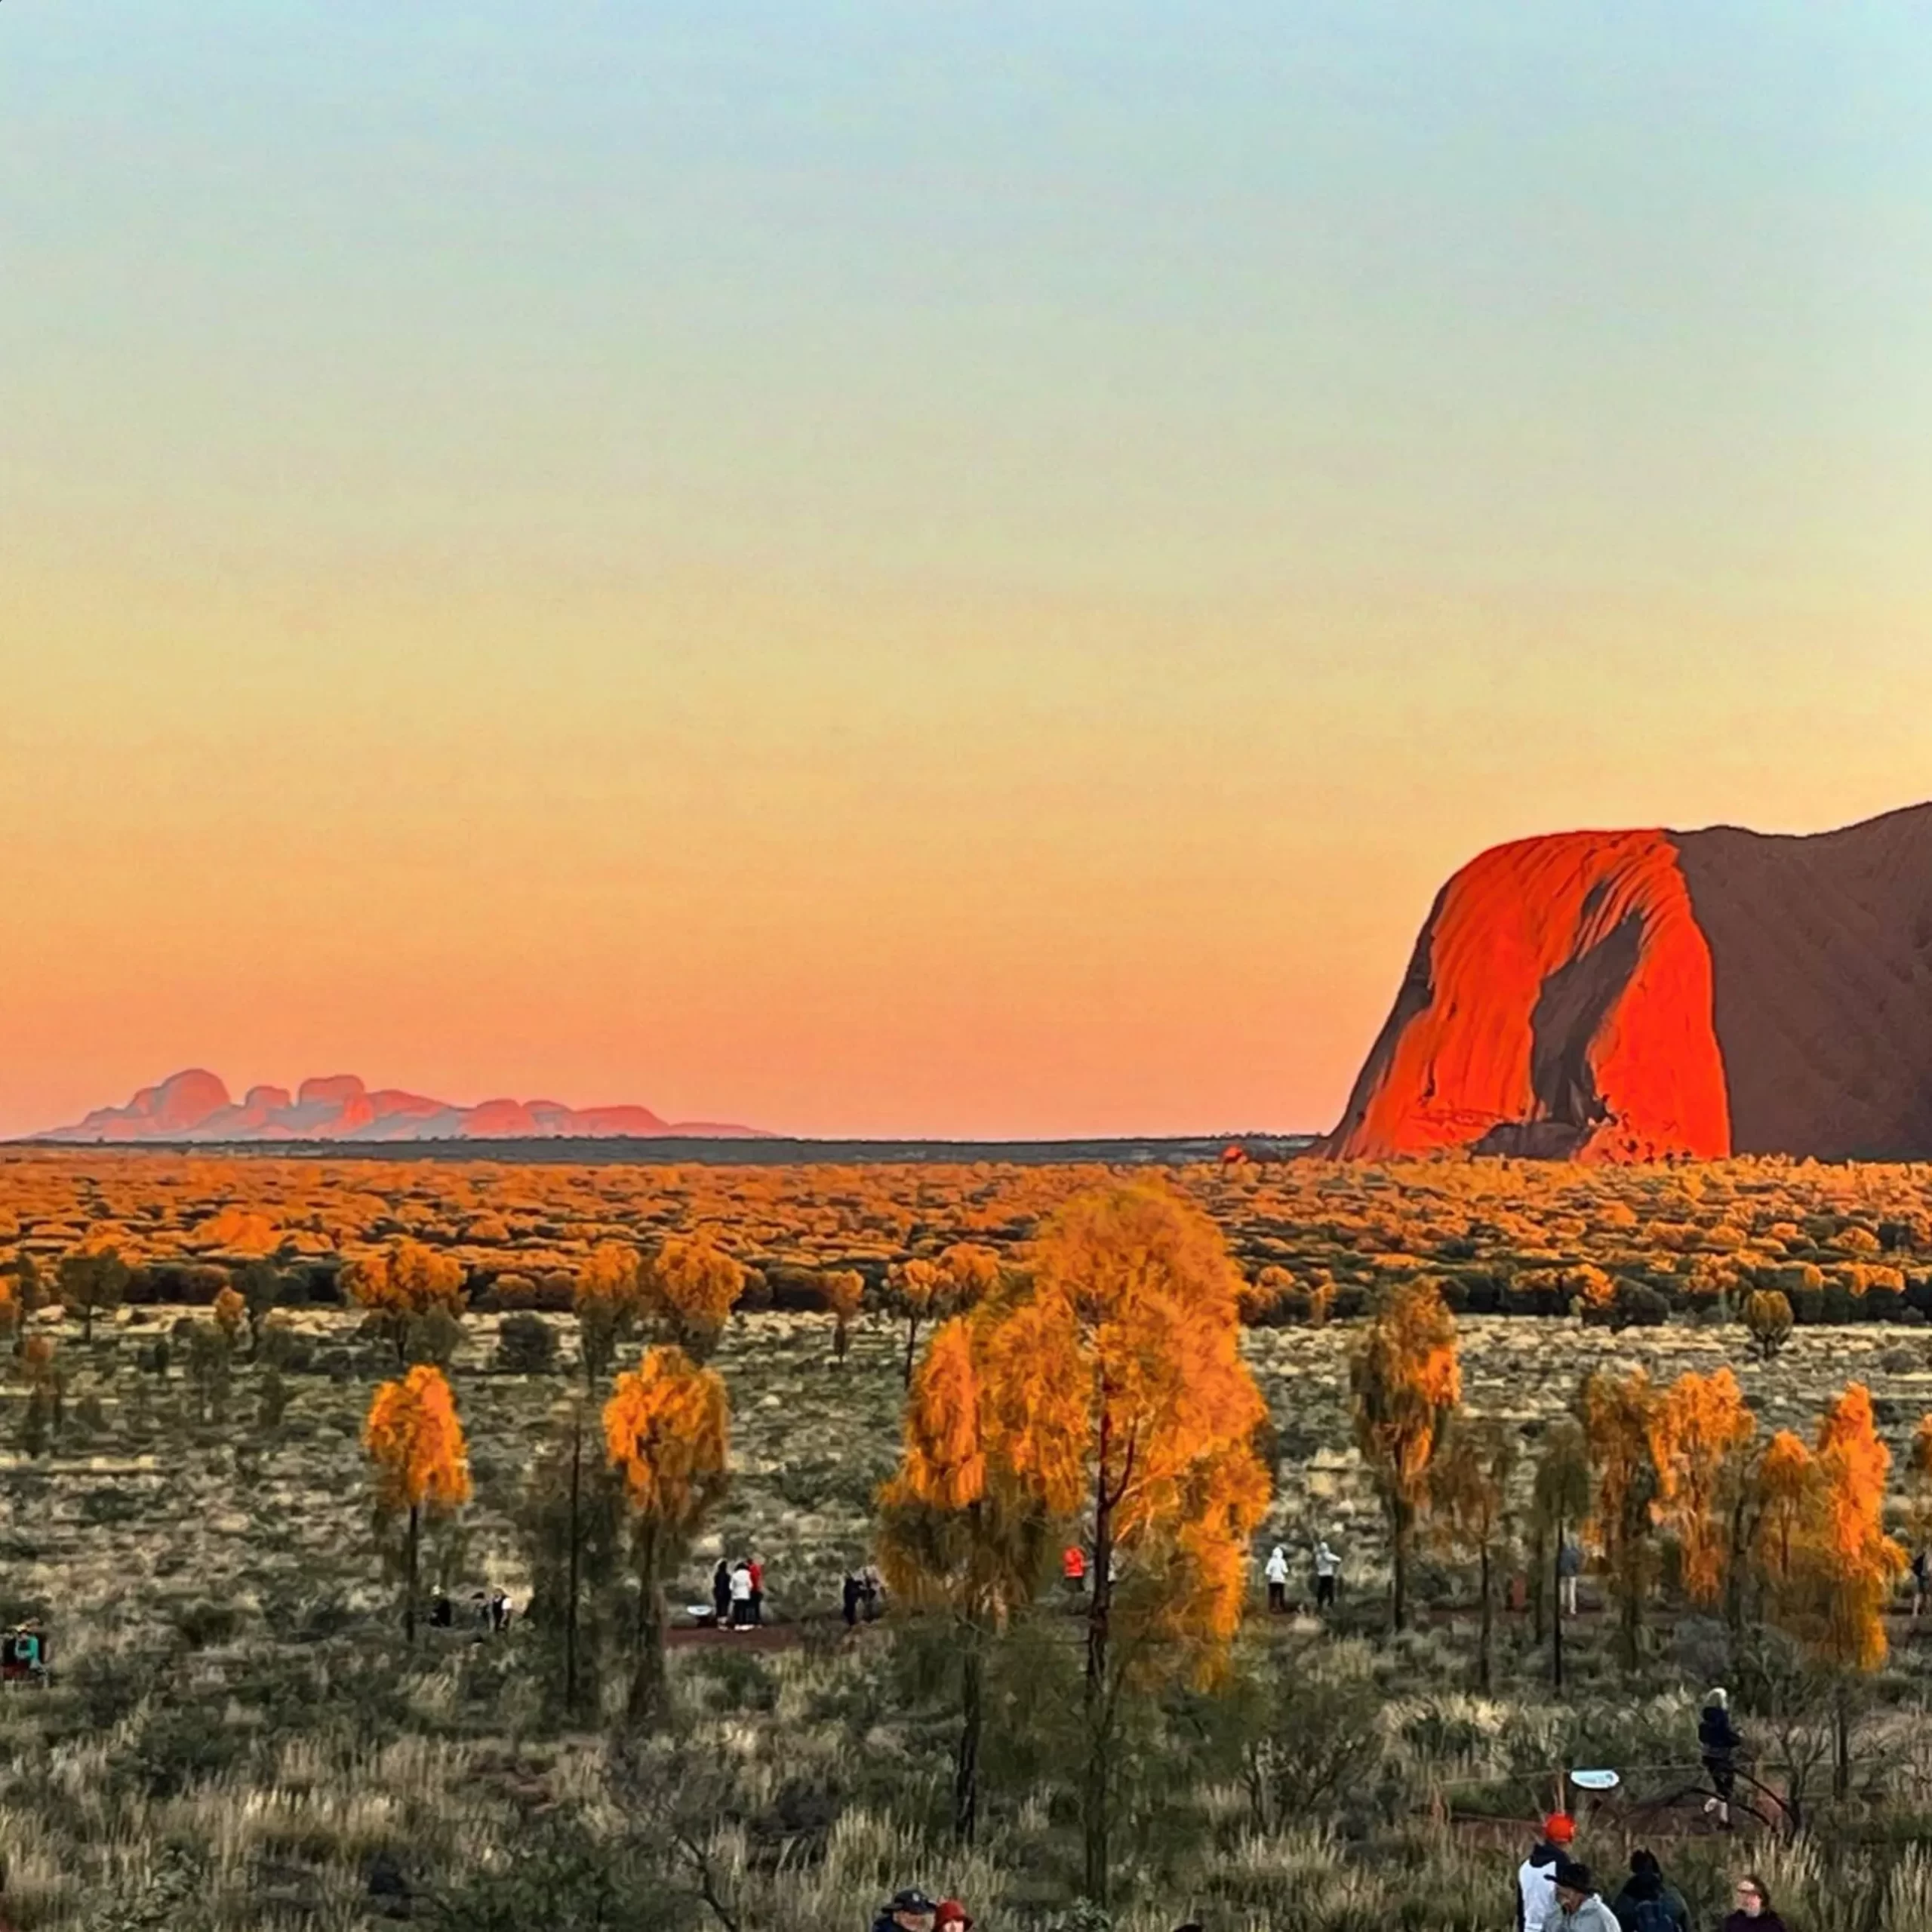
[861,1595]
[1328,1568]
[488,1611]
[737,1593]
[1557,1893]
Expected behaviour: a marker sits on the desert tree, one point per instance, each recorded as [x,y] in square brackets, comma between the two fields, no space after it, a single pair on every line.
[1619,1415]
[416,1449]
[961,1534]
[1115,1388]
[667,1431]
[1559,1502]
[691,1287]
[1469,1485]
[1782,1484]
[402,1287]
[1700,1437]
[1404,1383]
[914,1286]
[606,1296]
[91,1282]
[1767,1319]
[843,1290]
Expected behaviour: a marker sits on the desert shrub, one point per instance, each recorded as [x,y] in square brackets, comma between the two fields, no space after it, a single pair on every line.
[433,1336]
[526,1345]
[201,1623]
[181,1743]
[280,1345]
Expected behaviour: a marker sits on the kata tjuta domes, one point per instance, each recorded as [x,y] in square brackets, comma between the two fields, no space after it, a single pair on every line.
[1629,995]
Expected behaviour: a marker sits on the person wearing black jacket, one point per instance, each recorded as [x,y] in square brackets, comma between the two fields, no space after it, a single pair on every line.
[1647,1903]
[1718,1740]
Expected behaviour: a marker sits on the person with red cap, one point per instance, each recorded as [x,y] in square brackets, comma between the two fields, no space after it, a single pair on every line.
[1536,1876]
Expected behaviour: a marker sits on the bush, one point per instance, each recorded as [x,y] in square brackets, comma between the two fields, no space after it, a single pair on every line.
[526,1345]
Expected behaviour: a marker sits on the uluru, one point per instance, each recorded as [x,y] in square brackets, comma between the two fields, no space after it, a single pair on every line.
[196,1106]
[1646,995]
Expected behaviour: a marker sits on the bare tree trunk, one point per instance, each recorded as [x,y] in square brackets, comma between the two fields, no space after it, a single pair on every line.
[1401,1520]
[1093,1808]
[570,1602]
[1556,1617]
[1485,1630]
[409,1602]
[966,1765]
[911,1345]
[649,1699]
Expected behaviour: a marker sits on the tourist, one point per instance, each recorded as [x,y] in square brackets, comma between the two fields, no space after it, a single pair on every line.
[871,1589]
[1921,1566]
[442,1612]
[756,1570]
[1646,1903]
[1569,1568]
[1328,1574]
[500,1611]
[852,1595]
[1073,1569]
[909,1910]
[952,1917]
[741,1594]
[1718,1740]
[1536,1876]
[1578,1907]
[1277,1574]
[721,1593]
[1754,1912]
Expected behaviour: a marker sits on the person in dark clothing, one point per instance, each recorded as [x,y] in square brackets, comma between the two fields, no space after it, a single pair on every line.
[851,1595]
[1646,1903]
[909,1910]
[721,1593]
[442,1613]
[1718,1740]
[1754,1912]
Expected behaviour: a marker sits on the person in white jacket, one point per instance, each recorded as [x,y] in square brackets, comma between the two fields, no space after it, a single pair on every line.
[1536,1876]
[1578,1907]
[1277,1574]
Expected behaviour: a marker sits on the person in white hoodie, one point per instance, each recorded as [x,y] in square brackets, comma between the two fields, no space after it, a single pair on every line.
[1277,1574]
[1536,1876]
[1327,1571]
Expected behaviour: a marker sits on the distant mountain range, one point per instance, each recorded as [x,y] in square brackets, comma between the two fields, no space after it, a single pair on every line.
[196,1105]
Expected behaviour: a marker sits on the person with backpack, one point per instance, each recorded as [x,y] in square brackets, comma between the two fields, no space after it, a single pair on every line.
[1719,1743]
[1578,1907]
[1648,1903]
[1536,1876]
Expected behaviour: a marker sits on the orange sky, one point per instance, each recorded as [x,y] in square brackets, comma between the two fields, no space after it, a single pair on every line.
[970,577]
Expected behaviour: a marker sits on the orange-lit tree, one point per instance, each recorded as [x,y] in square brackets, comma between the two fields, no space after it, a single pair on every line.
[1469,1504]
[1782,1485]
[1115,1389]
[667,1431]
[1856,1564]
[960,1533]
[1404,1383]
[415,1444]
[915,1289]
[844,1292]
[691,1287]
[400,1285]
[1618,1416]
[1700,1434]
[231,1314]
[607,1295]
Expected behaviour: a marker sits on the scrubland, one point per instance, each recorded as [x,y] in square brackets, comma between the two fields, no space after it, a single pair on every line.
[237,1734]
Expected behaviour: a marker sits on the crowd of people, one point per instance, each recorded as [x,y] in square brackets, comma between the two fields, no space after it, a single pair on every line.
[737,1593]
[1556,1892]
[489,1609]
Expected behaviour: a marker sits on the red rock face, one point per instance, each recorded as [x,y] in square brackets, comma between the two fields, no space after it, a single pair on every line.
[1559,1002]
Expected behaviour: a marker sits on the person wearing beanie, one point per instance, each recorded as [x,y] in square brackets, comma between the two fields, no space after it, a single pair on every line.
[1647,1903]
[909,1910]
[1536,1876]
[1578,1907]
[952,1917]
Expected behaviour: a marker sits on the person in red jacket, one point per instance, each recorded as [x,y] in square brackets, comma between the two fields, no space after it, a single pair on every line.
[1073,1569]
[757,1590]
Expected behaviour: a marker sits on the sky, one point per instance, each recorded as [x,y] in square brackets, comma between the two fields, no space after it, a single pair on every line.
[877,568]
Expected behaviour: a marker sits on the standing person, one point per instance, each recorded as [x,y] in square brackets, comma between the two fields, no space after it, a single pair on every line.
[1647,1903]
[851,1595]
[756,1572]
[721,1594]
[500,1611]
[1277,1574]
[1578,1907]
[741,1594]
[1921,1570]
[952,1917]
[1754,1912]
[1328,1574]
[1073,1571]
[1536,1876]
[871,1587]
[1569,1568]
[1718,1740]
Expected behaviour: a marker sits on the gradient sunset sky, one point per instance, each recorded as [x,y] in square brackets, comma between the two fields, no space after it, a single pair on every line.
[882,568]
